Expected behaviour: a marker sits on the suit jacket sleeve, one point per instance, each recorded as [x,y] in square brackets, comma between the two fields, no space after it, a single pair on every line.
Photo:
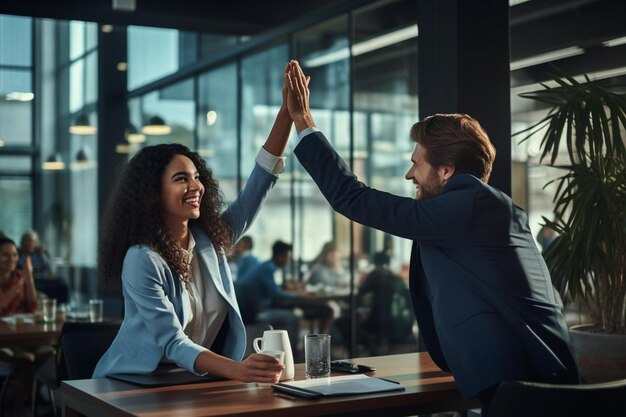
[436,220]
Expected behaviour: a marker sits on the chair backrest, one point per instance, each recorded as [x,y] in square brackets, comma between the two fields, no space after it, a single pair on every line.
[83,349]
[519,398]
[69,328]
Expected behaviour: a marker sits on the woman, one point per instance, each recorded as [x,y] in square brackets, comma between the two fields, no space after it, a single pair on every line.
[18,295]
[165,237]
[17,288]
[327,268]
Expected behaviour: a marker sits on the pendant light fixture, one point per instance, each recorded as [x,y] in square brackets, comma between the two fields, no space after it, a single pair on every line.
[133,135]
[82,160]
[156,126]
[82,126]
[54,163]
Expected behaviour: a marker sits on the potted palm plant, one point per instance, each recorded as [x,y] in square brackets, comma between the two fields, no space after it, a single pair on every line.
[587,260]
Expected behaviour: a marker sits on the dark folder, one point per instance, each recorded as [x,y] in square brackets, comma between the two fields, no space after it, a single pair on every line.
[164,377]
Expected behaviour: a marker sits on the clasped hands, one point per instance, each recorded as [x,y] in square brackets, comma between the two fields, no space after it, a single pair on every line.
[296,96]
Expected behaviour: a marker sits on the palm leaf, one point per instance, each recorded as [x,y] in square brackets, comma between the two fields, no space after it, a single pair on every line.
[590,196]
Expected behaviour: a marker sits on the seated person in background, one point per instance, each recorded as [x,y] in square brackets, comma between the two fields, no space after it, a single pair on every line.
[18,295]
[242,256]
[29,246]
[165,238]
[390,318]
[46,282]
[327,269]
[17,288]
[260,299]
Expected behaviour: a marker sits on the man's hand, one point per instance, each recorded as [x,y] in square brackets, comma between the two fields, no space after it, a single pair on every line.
[298,97]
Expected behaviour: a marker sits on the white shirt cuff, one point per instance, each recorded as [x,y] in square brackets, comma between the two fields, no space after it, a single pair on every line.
[307,131]
[271,163]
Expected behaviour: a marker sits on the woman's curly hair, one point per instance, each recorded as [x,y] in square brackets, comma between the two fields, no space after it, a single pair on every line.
[134,212]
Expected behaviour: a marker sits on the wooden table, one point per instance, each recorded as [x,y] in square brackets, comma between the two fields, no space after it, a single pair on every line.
[29,333]
[427,389]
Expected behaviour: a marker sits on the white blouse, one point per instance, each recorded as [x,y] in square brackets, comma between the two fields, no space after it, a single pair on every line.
[206,310]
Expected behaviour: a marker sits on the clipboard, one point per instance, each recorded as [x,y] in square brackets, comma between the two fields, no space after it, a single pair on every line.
[337,386]
[165,376]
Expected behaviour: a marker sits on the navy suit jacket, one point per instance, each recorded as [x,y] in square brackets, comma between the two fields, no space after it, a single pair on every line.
[480,289]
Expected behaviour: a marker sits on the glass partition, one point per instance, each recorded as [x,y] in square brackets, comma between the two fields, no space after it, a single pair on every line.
[261,85]
[16,89]
[385,101]
[322,52]
[217,126]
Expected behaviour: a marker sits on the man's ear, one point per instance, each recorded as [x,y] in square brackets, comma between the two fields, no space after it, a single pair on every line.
[446,172]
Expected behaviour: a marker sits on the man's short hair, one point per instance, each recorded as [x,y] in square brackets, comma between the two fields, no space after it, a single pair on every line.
[457,140]
[280,248]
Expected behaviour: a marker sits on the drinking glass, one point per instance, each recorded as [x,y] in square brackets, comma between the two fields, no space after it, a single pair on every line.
[317,355]
[49,309]
[95,310]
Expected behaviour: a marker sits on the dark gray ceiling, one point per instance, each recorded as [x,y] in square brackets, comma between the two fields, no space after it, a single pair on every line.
[235,17]
[537,26]
[541,26]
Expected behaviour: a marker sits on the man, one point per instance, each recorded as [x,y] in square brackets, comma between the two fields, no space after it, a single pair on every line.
[386,297]
[260,298]
[242,257]
[481,291]
[29,246]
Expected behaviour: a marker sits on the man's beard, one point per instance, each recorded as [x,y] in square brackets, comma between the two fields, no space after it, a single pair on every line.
[431,188]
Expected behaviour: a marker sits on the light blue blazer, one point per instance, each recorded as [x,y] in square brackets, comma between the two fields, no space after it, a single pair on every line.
[153,296]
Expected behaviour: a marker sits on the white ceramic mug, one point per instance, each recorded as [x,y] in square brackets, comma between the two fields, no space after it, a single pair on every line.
[277,340]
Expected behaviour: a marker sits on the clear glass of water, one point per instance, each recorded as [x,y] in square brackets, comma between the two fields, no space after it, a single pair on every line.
[49,310]
[96,310]
[317,355]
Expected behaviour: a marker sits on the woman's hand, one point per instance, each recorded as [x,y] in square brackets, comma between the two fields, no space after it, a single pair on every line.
[28,270]
[259,368]
[284,89]
[298,97]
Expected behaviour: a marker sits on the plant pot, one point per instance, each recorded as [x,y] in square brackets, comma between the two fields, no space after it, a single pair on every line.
[601,357]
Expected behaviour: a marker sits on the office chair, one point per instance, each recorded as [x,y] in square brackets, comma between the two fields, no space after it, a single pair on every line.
[522,399]
[83,350]
[53,371]
[6,371]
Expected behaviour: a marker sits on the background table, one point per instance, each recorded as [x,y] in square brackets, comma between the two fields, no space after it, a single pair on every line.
[427,389]
[29,333]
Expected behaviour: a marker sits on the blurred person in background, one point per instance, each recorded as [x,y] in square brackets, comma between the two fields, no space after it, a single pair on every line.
[18,295]
[31,247]
[242,260]
[327,268]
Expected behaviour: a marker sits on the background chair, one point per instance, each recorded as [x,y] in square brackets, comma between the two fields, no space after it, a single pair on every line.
[523,399]
[82,351]
[52,372]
